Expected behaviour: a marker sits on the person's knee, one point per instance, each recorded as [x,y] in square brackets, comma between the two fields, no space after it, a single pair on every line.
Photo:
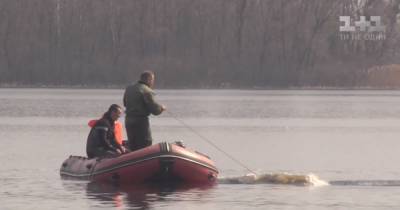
[148,143]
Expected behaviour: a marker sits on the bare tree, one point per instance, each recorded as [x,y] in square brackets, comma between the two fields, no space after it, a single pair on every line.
[191,43]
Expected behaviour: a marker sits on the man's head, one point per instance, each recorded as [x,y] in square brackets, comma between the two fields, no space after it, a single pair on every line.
[115,111]
[148,78]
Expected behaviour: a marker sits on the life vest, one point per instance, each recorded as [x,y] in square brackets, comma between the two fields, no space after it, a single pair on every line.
[118,130]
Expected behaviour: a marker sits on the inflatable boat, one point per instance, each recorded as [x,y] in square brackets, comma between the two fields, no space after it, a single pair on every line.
[163,162]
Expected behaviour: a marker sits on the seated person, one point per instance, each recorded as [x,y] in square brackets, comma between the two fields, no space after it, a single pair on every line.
[118,131]
[101,141]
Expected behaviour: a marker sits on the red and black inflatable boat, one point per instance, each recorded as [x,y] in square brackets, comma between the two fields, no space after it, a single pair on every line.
[163,162]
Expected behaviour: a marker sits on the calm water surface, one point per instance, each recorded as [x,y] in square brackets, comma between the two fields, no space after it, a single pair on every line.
[347,138]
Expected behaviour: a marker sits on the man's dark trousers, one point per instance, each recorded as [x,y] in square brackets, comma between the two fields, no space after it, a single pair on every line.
[138,132]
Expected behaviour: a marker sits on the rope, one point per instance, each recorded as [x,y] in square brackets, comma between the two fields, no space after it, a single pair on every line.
[211,143]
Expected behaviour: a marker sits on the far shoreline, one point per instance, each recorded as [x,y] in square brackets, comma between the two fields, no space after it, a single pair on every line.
[6,86]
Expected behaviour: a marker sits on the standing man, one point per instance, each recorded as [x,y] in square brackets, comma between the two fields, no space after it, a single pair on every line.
[139,102]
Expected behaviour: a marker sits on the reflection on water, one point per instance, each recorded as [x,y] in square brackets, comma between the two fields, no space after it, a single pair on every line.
[119,196]
[143,196]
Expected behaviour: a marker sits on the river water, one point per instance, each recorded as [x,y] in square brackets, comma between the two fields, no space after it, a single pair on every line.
[343,144]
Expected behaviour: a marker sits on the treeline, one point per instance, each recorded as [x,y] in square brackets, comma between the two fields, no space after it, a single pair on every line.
[191,43]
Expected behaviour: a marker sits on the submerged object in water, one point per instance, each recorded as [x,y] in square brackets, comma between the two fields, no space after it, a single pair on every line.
[163,162]
[278,178]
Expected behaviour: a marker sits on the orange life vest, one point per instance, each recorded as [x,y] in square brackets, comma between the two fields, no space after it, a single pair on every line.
[118,130]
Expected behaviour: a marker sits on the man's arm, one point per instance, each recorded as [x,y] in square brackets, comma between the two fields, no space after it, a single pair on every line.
[154,107]
[117,146]
[124,99]
[102,135]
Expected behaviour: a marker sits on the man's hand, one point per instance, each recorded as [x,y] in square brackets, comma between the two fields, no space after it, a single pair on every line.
[163,108]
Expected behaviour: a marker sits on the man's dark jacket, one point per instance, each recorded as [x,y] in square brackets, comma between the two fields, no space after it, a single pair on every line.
[139,102]
[101,140]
